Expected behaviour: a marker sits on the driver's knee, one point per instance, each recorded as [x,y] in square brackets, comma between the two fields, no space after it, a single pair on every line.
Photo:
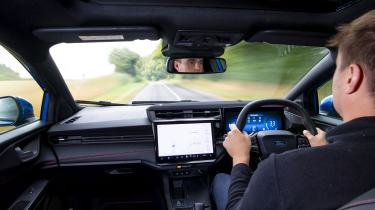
[220,178]
[219,189]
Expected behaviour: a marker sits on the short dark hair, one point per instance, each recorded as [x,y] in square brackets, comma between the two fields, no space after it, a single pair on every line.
[356,43]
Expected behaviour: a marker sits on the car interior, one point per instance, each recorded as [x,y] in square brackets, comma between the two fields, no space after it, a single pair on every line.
[154,154]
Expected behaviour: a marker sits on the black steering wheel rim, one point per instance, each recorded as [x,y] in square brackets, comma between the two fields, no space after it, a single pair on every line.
[307,122]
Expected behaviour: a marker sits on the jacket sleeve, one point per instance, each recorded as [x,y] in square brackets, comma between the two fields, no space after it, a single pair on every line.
[261,192]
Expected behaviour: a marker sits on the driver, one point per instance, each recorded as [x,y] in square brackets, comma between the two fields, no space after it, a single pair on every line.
[188,65]
[328,175]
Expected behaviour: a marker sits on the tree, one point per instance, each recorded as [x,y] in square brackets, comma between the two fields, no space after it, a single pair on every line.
[7,73]
[155,67]
[124,60]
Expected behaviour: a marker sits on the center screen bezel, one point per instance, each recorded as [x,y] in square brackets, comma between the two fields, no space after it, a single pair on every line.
[183,158]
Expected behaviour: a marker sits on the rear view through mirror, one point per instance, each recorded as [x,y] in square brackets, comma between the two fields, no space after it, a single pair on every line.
[196,65]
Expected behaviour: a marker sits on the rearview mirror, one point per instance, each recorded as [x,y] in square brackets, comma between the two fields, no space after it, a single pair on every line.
[196,65]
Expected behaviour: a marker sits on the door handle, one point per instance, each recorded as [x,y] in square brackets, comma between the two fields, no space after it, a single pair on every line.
[25,155]
[29,151]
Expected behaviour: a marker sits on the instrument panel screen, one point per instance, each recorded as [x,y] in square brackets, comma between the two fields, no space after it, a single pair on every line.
[257,121]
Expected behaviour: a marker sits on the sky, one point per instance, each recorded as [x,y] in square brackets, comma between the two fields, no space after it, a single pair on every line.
[7,59]
[83,60]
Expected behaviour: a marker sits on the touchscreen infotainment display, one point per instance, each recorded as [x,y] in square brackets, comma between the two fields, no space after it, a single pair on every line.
[184,141]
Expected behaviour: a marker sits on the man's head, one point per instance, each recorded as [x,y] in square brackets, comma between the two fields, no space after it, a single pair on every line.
[354,79]
[188,65]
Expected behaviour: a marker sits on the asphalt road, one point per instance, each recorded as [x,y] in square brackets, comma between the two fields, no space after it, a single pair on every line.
[158,91]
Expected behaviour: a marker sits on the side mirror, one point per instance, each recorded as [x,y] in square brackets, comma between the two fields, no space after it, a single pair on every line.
[196,65]
[15,111]
[327,108]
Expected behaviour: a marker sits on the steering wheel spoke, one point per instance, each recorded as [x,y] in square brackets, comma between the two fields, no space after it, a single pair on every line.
[254,144]
[302,141]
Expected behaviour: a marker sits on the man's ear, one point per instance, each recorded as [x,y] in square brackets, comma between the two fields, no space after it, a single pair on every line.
[175,65]
[354,78]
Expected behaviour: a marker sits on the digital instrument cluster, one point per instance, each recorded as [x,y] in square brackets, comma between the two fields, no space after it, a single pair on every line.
[257,121]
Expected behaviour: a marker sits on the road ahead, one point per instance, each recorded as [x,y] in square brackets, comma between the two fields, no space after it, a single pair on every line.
[158,91]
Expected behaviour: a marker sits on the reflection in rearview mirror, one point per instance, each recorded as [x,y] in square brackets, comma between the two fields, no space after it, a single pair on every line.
[196,65]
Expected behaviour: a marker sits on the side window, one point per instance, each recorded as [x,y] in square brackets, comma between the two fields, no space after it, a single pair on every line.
[325,90]
[325,98]
[20,95]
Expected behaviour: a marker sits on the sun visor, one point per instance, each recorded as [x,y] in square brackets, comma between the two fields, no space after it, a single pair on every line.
[96,34]
[291,37]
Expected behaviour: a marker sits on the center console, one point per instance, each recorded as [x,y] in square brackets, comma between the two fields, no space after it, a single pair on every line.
[187,193]
[185,148]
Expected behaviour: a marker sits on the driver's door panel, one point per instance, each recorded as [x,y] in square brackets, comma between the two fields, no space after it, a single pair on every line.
[20,151]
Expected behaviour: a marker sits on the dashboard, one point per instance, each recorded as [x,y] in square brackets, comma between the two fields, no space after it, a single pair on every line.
[178,143]
[159,136]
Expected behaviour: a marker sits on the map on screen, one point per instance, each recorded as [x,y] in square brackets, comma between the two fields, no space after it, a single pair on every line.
[184,139]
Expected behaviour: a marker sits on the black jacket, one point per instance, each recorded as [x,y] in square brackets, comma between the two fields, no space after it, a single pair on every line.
[324,177]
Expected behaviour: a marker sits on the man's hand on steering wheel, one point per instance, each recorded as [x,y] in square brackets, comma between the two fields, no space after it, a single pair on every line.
[317,140]
[238,146]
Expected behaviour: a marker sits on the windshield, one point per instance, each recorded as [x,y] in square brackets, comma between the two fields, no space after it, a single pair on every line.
[125,72]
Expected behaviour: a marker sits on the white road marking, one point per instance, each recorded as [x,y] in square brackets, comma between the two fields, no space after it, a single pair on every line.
[172,92]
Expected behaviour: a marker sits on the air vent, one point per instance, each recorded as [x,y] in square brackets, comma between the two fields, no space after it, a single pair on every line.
[101,139]
[72,120]
[183,114]
[114,139]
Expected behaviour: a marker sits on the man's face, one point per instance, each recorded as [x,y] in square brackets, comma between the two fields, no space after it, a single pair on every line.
[338,84]
[189,65]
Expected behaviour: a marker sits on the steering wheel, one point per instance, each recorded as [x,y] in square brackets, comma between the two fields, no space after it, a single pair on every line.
[274,141]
